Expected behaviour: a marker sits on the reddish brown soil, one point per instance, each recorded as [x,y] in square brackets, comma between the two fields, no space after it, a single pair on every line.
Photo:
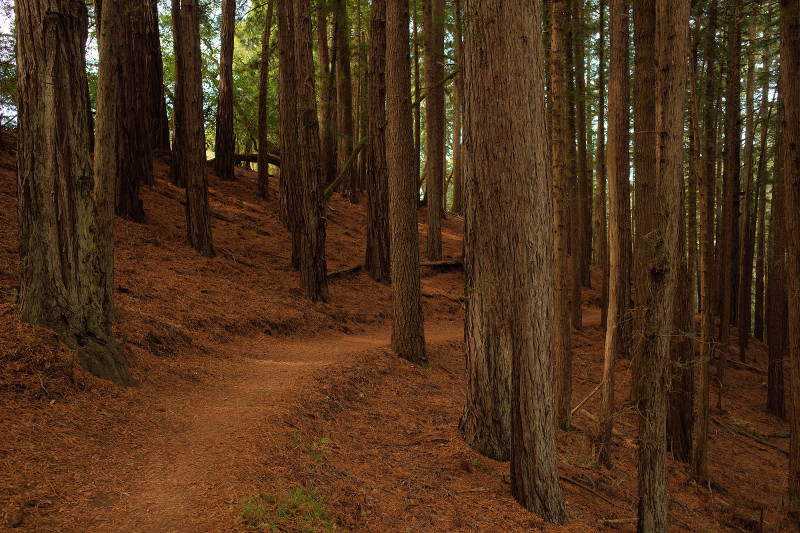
[245,386]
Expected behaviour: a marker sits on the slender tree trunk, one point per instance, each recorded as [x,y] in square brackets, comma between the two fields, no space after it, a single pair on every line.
[408,333]
[309,225]
[178,133]
[706,186]
[730,187]
[584,173]
[193,153]
[776,318]
[223,141]
[501,61]
[790,167]
[561,344]
[327,86]
[287,94]
[263,86]
[693,183]
[619,216]
[745,259]
[157,113]
[663,258]
[344,99]
[576,222]
[417,91]
[65,211]
[433,27]
[601,232]
[766,109]
[377,255]
[458,92]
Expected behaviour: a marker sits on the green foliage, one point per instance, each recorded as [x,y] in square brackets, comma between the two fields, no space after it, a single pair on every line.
[8,66]
[287,509]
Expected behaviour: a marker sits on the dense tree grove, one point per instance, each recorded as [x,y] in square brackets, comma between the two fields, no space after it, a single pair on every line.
[657,141]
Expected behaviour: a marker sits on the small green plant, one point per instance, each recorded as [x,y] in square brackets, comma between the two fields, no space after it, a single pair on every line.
[287,509]
[317,449]
[14,294]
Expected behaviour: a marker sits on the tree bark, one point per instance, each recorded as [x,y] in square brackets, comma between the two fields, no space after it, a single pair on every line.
[508,204]
[417,93]
[327,86]
[263,86]
[584,172]
[790,168]
[576,222]
[376,261]
[562,355]
[193,153]
[458,97]
[157,105]
[433,28]
[309,227]
[619,216]
[408,333]
[223,141]
[766,108]
[601,231]
[344,98]
[287,94]
[176,176]
[65,211]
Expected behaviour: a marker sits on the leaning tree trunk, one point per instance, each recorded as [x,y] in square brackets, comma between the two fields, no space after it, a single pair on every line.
[509,234]
[562,355]
[376,260]
[790,168]
[618,218]
[408,332]
[433,28]
[223,141]
[65,211]
[263,86]
[193,152]
[310,224]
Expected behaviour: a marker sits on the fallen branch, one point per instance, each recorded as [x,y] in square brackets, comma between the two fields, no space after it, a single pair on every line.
[590,489]
[457,263]
[345,170]
[734,362]
[618,521]
[250,158]
[214,214]
[749,436]
[343,271]
[580,404]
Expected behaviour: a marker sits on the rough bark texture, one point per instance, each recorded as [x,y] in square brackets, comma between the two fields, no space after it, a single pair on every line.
[344,99]
[417,91]
[65,212]
[433,28]
[618,217]
[562,354]
[584,172]
[376,260]
[706,189]
[777,301]
[458,98]
[178,132]
[576,221]
[790,167]
[223,141]
[408,333]
[662,259]
[309,227]
[263,86]
[158,123]
[509,223]
[327,86]
[287,93]
[600,222]
[193,152]
[766,108]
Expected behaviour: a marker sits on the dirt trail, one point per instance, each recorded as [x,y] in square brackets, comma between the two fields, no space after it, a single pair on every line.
[186,476]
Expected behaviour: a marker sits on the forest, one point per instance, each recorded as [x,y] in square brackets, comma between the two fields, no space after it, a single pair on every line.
[400,265]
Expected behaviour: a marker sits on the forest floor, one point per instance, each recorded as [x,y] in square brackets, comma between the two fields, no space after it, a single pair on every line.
[259,410]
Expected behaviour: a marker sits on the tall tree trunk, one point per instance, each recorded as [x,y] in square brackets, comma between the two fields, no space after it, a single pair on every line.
[309,226]
[193,153]
[766,108]
[408,333]
[600,231]
[458,97]
[562,354]
[377,255]
[745,259]
[584,173]
[433,27]
[65,211]
[790,167]
[504,88]
[417,91]
[344,99]
[730,188]
[575,223]
[263,86]
[619,217]
[706,187]
[327,86]
[157,112]
[287,95]
[178,133]
[776,318]
[663,259]
[223,141]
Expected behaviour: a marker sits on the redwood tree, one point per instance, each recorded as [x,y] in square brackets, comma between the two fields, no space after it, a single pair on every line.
[408,333]
[65,210]
[263,85]
[223,141]
[509,235]
[433,28]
